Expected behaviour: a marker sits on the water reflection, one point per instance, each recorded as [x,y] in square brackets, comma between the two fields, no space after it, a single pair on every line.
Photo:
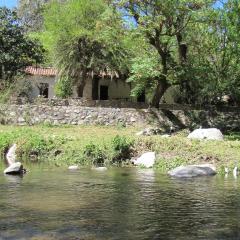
[117,204]
[15,179]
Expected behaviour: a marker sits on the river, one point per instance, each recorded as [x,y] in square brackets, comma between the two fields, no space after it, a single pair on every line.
[117,204]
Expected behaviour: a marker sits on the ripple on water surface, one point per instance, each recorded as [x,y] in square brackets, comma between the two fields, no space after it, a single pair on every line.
[117,204]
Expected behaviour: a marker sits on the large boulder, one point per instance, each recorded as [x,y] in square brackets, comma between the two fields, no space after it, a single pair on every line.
[193,171]
[207,133]
[15,168]
[146,160]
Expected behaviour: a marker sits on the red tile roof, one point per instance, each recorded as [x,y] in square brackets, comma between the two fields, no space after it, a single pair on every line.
[41,71]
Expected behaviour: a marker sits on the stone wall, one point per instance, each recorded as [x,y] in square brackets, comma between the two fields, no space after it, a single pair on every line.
[74,114]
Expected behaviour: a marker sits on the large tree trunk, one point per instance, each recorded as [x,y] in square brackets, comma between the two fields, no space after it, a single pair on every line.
[81,83]
[162,86]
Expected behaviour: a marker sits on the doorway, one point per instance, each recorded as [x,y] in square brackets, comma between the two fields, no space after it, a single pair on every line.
[43,90]
[103,92]
[141,98]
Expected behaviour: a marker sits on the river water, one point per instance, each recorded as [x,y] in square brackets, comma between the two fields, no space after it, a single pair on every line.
[117,204]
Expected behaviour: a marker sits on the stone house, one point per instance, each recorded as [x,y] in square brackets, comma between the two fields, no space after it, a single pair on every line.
[42,81]
[102,87]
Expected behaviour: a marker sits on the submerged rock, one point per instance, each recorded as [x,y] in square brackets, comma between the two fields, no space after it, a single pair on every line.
[147,160]
[74,167]
[193,171]
[207,133]
[15,168]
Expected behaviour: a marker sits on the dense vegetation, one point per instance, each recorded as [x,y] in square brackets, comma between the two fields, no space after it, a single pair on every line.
[155,45]
[67,145]
[16,49]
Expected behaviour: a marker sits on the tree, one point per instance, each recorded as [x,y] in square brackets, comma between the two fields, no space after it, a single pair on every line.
[72,36]
[31,14]
[16,50]
[214,56]
[162,24]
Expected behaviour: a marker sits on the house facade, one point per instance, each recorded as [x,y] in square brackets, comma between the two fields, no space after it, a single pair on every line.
[102,87]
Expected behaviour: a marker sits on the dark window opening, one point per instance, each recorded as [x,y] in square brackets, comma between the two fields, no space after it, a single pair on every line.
[43,89]
[141,97]
[103,92]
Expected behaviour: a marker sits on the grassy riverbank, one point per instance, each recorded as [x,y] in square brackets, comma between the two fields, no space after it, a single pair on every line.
[99,145]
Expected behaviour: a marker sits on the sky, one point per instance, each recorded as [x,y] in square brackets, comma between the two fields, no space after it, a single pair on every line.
[8,3]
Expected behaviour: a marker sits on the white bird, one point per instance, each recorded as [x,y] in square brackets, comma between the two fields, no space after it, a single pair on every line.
[235,171]
[226,170]
[11,154]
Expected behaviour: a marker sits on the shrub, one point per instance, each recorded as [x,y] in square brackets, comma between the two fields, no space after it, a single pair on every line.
[122,148]
[94,153]
[63,88]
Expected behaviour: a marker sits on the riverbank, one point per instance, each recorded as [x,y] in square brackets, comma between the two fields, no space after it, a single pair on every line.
[62,146]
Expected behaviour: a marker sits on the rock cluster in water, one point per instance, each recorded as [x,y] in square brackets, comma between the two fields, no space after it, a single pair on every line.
[14,167]
[193,171]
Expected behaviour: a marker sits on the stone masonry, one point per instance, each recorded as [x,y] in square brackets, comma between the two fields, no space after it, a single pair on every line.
[58,114]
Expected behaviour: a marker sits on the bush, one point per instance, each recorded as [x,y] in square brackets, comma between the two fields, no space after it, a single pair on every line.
[63,88]
[122,148]
[165,165]
[94,153]
[28,143]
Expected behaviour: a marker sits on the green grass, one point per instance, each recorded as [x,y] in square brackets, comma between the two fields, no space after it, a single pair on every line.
[101,145]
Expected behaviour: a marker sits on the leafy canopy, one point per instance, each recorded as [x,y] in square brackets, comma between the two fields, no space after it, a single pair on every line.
[16,50]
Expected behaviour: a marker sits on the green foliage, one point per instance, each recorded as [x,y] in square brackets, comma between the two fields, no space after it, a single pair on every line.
[63,87]
[144,73]
[30,13]
[31,145]
[71,36]
[63,146]
[164,165]
[94,153]
[122,148]
[16,49]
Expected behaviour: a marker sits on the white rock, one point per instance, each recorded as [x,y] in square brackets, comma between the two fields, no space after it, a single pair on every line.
[140,133]
[149,132]
[100,168]
[132,119]
[11,154]
[165,136]
[193,171]
[147,160]
[74,167]
[15,168]
[235,172]
[208,133]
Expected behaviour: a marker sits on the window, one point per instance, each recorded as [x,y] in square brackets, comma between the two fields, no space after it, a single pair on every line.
[43,89]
